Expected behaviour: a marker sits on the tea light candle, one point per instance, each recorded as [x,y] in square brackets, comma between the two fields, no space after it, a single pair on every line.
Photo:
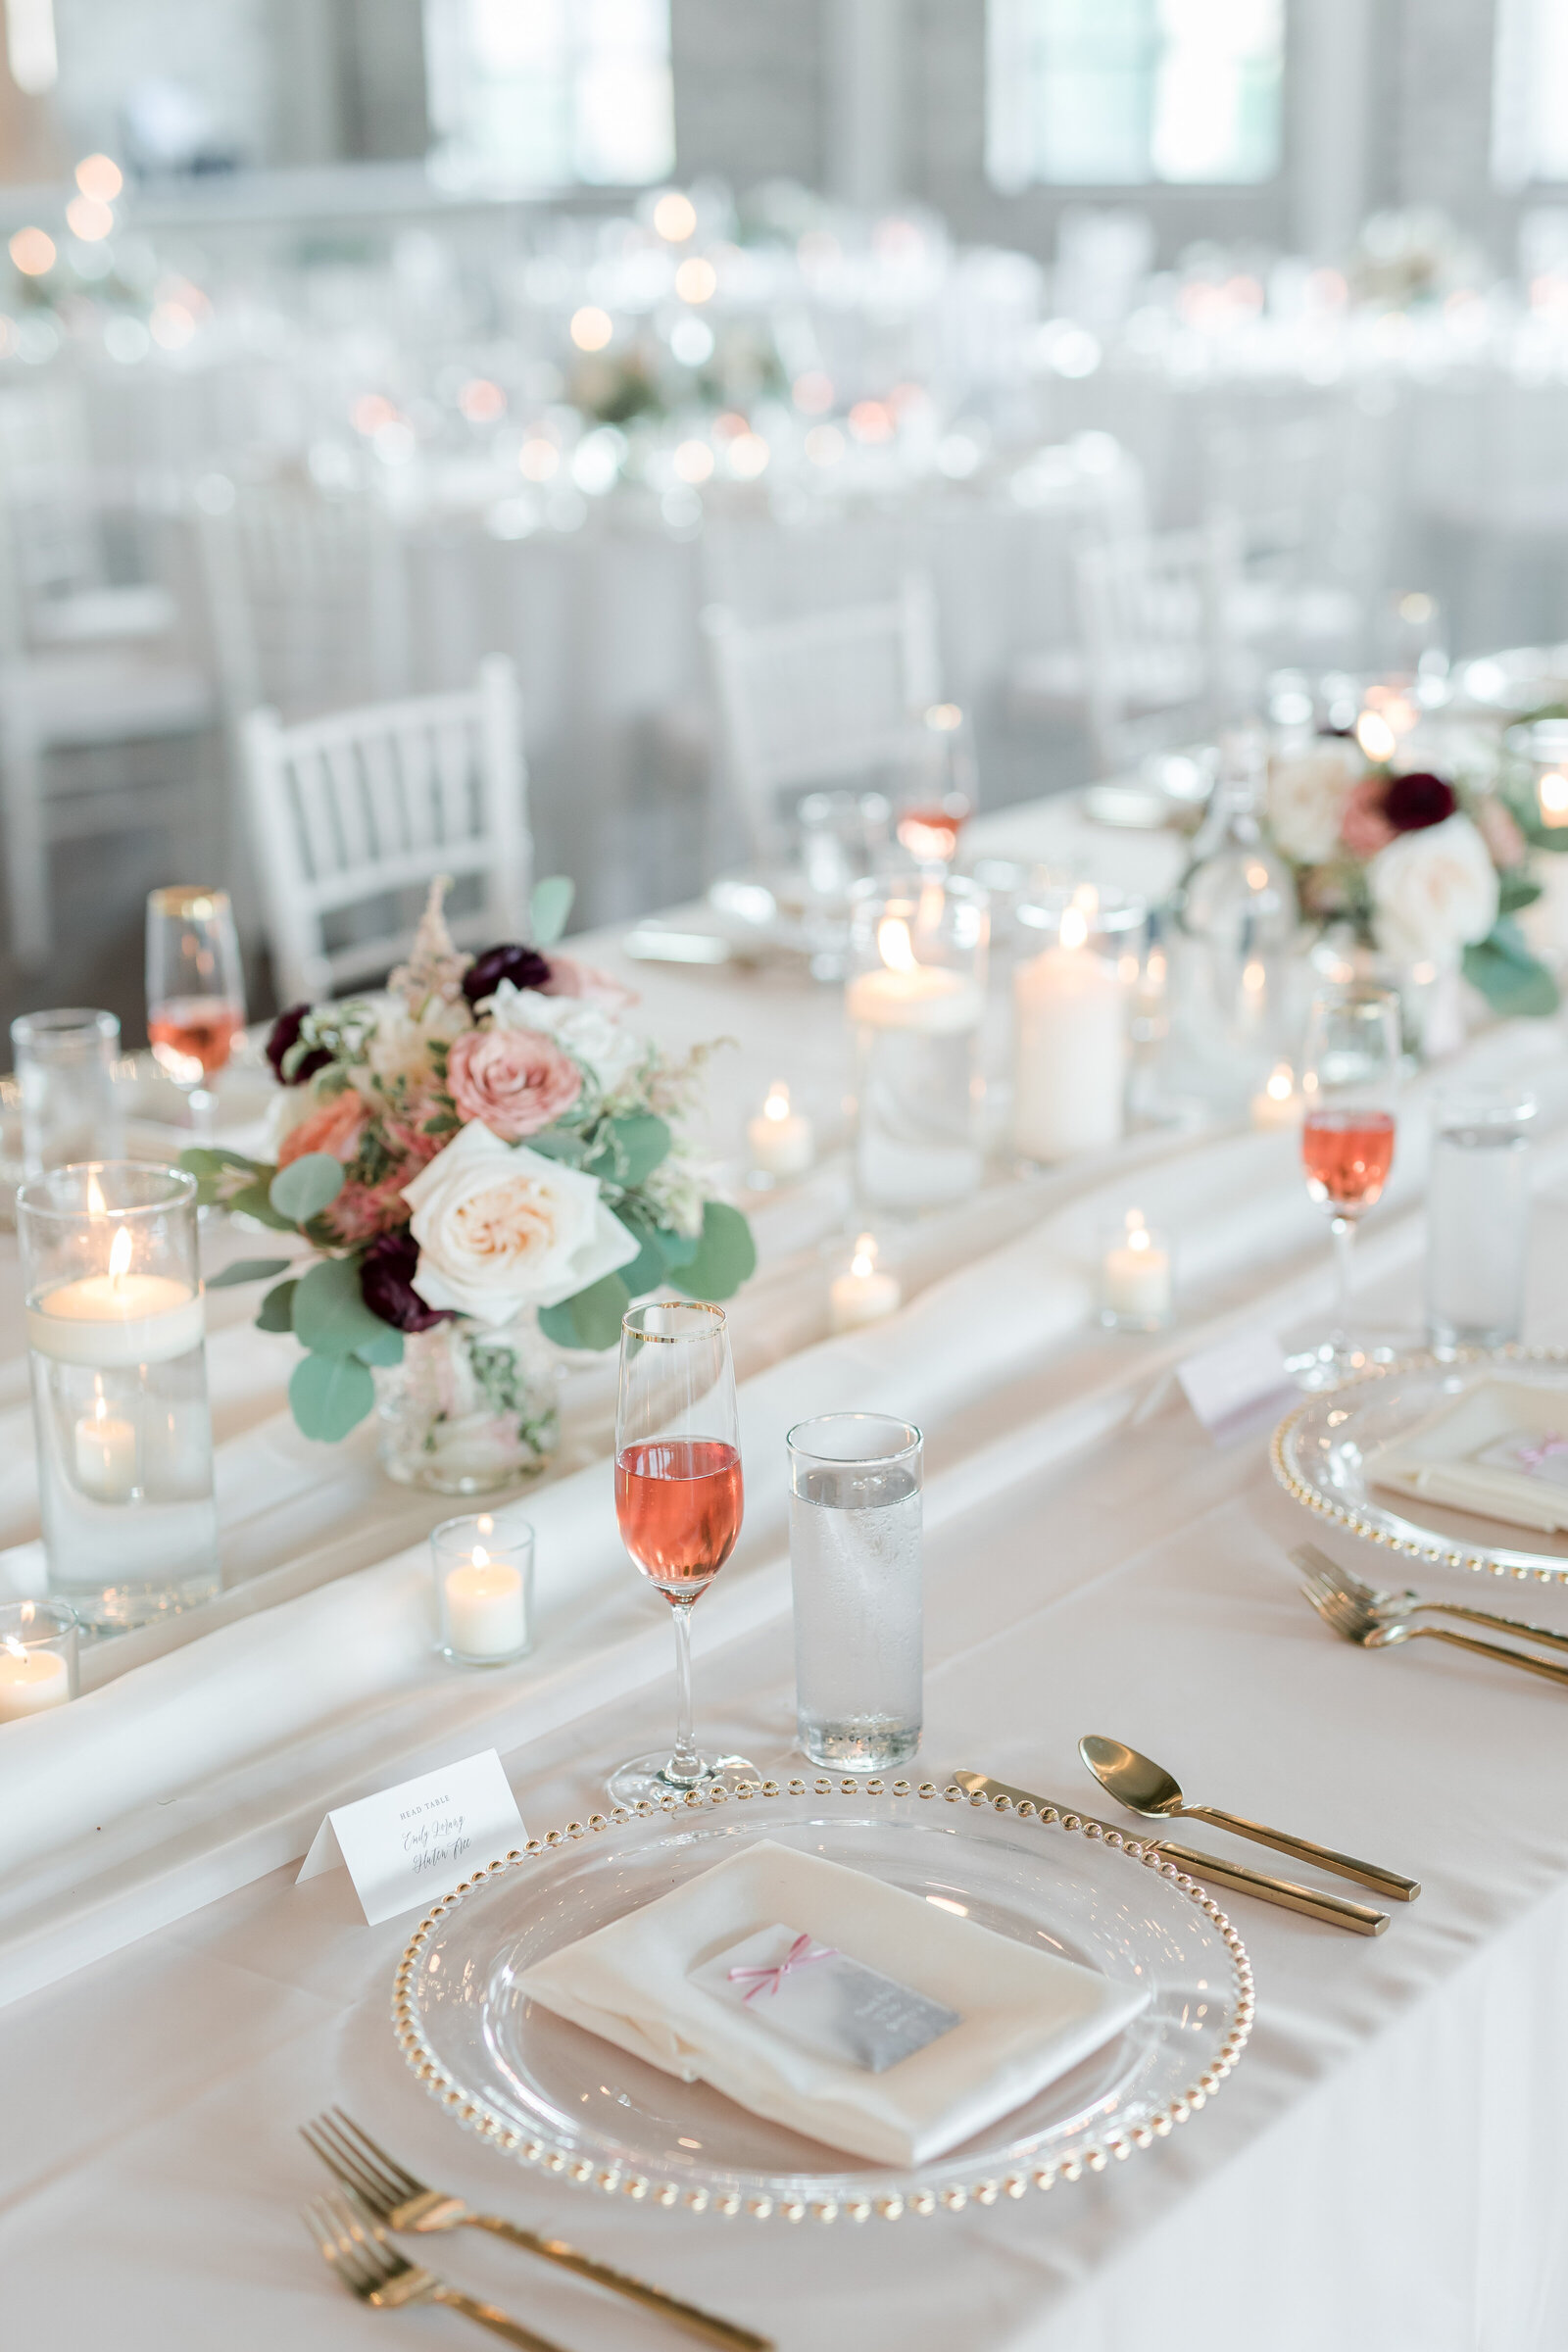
[484,1605]
[863,1294]
[118,1319]
[31,1680]
[1278,1105]
[1135,1276]
[106,1455]
[1070,1074]
[781,1139]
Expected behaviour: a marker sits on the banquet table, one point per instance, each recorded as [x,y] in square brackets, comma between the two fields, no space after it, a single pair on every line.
[1379,2169]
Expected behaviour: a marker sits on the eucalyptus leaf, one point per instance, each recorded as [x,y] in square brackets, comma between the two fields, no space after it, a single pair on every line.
[387,1350]
[676,1248]
[640,1141]
[276,1311]
[209,1160]
[330,1395]
[647,1269]
[550,907]
[307,1186]
[724,1256]
[592,1319]
[559,1143]
[254,1201]
[1508,976]
[330,1315]
[247,1269]
[1514,891]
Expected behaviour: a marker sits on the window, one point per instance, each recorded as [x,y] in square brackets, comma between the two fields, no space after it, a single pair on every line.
[1101,93]
[1530,93]
[545,93]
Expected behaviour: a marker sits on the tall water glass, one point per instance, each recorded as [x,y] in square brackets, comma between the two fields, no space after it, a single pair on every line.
[854,1557]
[64,1065]
[1477,1216]
[678,1500]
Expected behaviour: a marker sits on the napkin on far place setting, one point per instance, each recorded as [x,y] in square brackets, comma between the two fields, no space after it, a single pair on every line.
[827,2000]
[1500,1450]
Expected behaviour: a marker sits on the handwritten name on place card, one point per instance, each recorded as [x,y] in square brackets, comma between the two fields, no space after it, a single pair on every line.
[409,1845]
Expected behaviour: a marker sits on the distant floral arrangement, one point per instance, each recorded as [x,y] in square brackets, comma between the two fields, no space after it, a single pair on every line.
[488,1138]
[1428,872]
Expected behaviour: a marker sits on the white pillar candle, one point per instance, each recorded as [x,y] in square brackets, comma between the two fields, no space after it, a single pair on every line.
[1071,1061]
[1135,1278]
[117,1319]
[781,1139]
[916,1028]
[484,1607]
[863,1294]
[106,1455]
[31,1680]
[1278,1105]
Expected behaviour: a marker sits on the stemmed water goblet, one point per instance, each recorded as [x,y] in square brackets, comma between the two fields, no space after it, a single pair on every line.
[678,1500]
[195,991]
[1350,1070]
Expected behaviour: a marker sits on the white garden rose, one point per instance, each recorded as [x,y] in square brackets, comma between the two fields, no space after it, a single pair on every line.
[1306,796]
[1434,893]
[500,1228]
[609,1052]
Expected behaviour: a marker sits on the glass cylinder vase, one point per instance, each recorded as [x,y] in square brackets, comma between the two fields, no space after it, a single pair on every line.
[470,1409]
[64,1065]
[116,1326]
[915,1007]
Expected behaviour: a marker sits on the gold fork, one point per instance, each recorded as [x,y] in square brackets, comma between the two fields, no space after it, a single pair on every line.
[1354,1622]
[1320,1570]
[394,2196]
[356,2252]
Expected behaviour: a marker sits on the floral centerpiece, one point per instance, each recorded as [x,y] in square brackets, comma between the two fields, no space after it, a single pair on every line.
[1425,873]
[490,1165]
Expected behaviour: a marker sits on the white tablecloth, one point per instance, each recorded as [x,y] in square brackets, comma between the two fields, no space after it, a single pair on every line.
[1379,2172]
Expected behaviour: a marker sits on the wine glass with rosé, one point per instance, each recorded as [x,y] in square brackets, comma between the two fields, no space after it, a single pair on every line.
[1350,1070]
[938,793]
[678,1499]
[195,991]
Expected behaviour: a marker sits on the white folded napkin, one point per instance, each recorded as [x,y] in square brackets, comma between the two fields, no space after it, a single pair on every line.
[1500,1450]
[783,2040]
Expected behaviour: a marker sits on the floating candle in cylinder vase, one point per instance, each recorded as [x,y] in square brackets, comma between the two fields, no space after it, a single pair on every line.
[915,1011]
[1070,1065]
[781,1139]
[484,1582]
[863,1294]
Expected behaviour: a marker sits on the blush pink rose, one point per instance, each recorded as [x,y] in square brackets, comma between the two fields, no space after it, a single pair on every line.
[336,1128]
[1363,828]
[569,978]
[513,1081]
[1500,832]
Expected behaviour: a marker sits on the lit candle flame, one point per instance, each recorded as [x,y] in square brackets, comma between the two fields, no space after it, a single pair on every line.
[1281,1082]
[1376,737]
[14,1648]
[481,1557]
[1138,1237]
[1253,977]
[894,946]
[777,1105]
[1553,793]
[863,1262]
[120,1256]
[96,1203]
[1074,931]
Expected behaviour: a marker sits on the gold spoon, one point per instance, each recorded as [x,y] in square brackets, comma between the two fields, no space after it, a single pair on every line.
[1145,1787]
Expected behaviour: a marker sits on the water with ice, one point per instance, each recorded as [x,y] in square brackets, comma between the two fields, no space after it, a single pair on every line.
[854,1553]
[1477,1233]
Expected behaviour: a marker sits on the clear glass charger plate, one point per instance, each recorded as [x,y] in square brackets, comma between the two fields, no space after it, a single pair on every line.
[555,2097]
[1319,1454]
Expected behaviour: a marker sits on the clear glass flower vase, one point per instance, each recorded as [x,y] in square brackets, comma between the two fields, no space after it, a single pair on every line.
[470,1411]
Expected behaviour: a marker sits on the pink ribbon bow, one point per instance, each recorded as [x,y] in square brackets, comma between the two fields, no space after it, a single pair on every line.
[768,1979]
[1531,1457]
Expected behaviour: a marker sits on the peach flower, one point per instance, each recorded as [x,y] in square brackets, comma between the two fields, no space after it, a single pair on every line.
[516,1081]
[1363,827]
[336,1127]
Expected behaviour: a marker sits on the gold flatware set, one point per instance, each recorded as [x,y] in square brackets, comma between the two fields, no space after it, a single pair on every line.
[1374,1620]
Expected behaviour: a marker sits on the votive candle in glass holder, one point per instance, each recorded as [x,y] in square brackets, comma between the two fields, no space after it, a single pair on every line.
[915,1005]
[1136,1285]
[483,1568]
[37,1657]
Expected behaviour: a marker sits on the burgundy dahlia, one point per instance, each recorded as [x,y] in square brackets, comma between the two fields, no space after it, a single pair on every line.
[286,1033]
[1412,803]
[523,966]
[387,1284]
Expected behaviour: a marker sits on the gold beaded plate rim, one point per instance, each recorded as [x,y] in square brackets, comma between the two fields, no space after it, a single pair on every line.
[1429,1544]
[930,2193]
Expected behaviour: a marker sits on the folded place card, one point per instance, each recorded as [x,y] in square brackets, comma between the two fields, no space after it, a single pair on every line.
[1500,1450]
[1236,1386]
[409,1844]
[827,2000]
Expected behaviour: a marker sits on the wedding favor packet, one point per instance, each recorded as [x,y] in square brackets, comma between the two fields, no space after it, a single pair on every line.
[831,2002]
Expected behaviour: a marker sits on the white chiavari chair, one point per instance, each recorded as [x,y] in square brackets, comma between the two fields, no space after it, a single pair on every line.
[1161,663]
[354,816]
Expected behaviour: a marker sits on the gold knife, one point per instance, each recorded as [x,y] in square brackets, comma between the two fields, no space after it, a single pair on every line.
[1335,1910]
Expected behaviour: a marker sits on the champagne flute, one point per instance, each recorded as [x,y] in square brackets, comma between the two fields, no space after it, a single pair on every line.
[195,991]
[938,796]
[678,1500]
[1351,1068]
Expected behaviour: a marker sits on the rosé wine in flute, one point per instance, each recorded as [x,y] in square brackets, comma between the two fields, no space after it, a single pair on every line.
[193,1036]
[195,990]
[678,1502]
[1346,1156]
[931,835]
